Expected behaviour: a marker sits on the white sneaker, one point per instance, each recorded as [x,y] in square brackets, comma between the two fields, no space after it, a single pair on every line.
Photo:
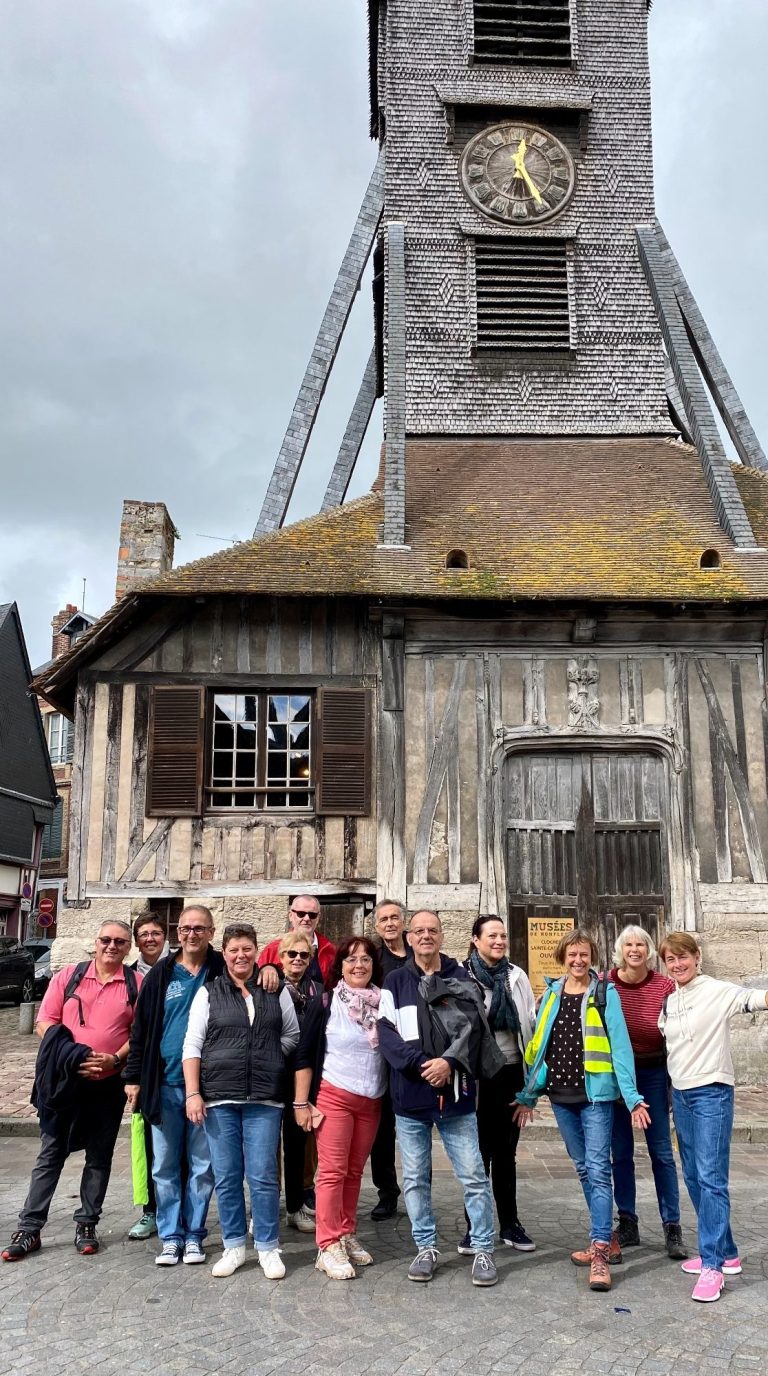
[231,1259]
[334,1261]
[301,1220]
[271,1264]
[169,1256]
[355,1250]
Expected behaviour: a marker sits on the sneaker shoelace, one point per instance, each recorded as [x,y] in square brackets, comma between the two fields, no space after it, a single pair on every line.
[430,1252]
[482,1261]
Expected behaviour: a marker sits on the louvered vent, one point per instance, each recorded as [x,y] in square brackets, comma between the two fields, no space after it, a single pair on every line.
[522,294]
[531,33]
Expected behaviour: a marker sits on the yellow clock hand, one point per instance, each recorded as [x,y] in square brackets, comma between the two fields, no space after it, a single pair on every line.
[522,173]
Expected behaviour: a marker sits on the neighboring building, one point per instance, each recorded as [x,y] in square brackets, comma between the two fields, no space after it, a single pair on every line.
[27,787]
[67,626]
[526,674]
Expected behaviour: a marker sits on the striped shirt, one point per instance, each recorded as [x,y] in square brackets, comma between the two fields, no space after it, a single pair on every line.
[641,1006]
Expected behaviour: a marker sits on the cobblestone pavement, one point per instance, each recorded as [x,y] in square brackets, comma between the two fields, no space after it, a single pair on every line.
[118,1313]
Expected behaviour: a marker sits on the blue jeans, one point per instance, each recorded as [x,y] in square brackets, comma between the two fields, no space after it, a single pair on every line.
[181,1210]
[704,1123]
[459,1137]
[653,1084]
[244,1139]
[586,1131]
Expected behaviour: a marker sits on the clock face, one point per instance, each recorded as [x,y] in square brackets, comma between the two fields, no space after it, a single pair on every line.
[518,173]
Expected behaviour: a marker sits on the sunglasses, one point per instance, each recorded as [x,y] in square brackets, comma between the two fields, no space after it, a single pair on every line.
[118,941]
[299,912]
[297,955]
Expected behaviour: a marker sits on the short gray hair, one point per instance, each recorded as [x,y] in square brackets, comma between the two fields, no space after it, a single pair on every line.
[388,903]
[638,934]
[115,922]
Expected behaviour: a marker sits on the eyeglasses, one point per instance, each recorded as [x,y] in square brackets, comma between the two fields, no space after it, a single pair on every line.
[300,912]
[192,931]
[118,941]
[357,960]
[297,955]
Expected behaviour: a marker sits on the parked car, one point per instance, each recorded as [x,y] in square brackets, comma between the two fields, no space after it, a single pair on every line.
[17,971]
[40,948]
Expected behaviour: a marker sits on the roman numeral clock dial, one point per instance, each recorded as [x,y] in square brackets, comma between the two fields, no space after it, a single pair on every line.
[518,173]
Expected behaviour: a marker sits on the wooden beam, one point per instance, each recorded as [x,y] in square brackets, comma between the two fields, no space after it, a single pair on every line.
[730,760]
[446,746]
[315,381]
[390,837]
[359,420]
[393,533]
[152,843]
[111,781]
[211,889]
[444,897]
[80,795]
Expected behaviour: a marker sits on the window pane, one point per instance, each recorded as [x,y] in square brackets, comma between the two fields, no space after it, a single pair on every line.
[245,735]
[299,765]
[277,762]
[278,708]
[299,709]
[221,799]
[299,737]
[277,800]
[224,707]
[246,769]
[222,765]
[276,737]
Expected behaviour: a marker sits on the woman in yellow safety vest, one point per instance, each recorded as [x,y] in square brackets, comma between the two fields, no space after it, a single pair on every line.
[580,1055]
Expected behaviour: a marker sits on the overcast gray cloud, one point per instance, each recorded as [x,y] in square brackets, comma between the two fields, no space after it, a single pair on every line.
[179,182]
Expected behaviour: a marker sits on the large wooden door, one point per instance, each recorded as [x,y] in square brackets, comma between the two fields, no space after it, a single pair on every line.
[586,838]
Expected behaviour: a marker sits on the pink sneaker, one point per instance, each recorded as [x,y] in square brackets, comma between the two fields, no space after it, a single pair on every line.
[692,1267]
[708,1286]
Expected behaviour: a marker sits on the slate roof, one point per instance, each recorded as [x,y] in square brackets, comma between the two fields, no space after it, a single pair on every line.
[596,519]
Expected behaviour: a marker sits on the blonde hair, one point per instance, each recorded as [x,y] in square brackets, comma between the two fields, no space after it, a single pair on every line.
[577,937]
[638,934]
[288,942]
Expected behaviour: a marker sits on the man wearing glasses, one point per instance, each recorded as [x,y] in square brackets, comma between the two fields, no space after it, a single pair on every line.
[303,916]
[154,1082]
[96,1016]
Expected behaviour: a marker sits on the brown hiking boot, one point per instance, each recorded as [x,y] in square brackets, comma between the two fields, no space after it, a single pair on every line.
[599,1274]
[585,1258]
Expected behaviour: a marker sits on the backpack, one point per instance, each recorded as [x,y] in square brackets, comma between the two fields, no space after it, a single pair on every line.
[131,987]
[601,999]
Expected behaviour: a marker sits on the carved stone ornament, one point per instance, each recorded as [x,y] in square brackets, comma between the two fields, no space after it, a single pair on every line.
[583,699]
[518,173]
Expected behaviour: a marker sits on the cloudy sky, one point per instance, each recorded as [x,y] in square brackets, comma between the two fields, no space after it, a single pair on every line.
[179,182]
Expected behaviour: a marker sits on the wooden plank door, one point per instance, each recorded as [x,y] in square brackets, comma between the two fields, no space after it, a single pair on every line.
[586,837]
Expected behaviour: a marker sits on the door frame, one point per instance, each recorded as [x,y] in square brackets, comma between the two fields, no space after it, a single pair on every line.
[521,740]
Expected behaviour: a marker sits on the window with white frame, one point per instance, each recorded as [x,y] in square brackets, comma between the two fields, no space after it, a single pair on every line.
[60,738]
[260,751]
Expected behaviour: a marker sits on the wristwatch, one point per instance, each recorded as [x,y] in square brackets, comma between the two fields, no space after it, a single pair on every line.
[116,1062]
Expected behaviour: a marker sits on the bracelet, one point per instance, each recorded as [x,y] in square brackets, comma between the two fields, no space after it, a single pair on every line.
[304,1105]
[195,1095]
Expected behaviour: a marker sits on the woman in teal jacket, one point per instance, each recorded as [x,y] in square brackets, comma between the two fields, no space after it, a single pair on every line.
[581,1057]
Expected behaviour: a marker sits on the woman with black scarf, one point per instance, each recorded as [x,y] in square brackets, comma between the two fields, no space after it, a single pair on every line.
[511,1010]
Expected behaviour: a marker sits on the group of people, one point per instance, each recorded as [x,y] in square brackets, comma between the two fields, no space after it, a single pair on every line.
[341,1052]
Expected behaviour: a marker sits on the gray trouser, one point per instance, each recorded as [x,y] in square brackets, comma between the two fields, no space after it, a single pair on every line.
[101,1109]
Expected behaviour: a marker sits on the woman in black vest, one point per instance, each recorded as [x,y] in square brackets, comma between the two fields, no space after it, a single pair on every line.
[235,1049]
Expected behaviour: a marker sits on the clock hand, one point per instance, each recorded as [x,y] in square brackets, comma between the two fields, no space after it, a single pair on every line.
[522,173]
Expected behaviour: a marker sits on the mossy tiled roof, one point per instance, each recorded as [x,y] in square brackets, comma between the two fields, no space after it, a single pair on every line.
[597,519]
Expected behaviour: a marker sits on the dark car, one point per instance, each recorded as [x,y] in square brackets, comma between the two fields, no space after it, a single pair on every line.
[40,948]
[17,971]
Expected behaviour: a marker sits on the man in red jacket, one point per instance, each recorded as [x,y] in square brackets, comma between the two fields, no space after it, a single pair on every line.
[303,916]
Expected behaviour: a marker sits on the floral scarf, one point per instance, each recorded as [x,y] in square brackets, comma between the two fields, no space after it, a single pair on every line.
[361,1006]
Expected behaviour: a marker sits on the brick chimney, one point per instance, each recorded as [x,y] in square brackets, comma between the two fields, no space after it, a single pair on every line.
[60,643]
[147,537]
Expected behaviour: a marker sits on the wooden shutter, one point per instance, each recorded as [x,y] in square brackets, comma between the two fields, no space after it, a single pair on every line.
[343,755]
[176,749]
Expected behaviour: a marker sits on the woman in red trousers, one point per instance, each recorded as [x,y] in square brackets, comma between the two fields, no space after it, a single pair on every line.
[340,1080]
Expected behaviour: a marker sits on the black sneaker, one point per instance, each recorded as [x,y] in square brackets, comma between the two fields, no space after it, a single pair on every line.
[465,1248]
[21,1244]
[673,1236]
[309,1201]
[86,1240]
[627,1231]
[518,1238]
[386,1208]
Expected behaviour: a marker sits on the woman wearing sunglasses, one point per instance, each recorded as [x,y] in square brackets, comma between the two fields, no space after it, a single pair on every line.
[340,1080]
[294,953]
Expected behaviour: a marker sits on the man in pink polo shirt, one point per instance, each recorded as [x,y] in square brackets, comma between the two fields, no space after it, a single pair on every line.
[98,1014]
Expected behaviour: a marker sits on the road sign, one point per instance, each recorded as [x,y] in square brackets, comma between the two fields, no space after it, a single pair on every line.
[26,891]
[46,907]
[44,919]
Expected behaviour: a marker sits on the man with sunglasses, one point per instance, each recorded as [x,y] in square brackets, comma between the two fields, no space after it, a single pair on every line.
[154,1082]
[97,1016]
[303,916]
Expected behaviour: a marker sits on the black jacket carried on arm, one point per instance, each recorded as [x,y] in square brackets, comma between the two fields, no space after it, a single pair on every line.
[55,1093]
[144,1065]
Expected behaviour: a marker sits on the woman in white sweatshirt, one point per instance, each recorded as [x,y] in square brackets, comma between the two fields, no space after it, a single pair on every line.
[694,1022]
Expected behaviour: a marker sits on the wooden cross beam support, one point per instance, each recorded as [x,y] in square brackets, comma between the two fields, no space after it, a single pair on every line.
[313,386]
[354,435]
[659,266]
